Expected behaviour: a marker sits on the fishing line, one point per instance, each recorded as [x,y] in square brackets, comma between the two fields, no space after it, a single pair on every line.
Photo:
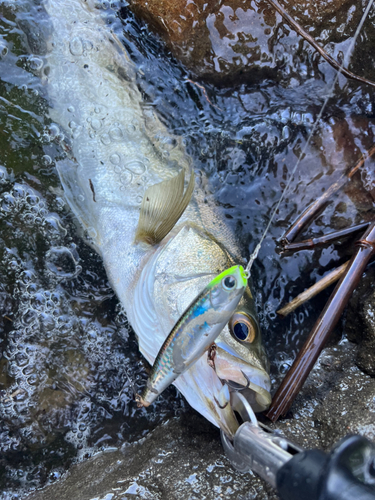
[330,93]
[131,383]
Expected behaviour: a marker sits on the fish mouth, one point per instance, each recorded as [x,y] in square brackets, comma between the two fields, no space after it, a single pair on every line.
[252,381]
[205,386]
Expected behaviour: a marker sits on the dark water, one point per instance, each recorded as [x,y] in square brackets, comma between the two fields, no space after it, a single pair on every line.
[66,348]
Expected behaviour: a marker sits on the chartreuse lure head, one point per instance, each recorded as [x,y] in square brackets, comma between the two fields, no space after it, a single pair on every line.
[231,279]
[195,331]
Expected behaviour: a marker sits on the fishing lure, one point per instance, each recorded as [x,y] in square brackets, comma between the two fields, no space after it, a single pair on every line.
[195,331]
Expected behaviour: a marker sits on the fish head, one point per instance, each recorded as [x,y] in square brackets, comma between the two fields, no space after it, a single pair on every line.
[239,357]
[170,281]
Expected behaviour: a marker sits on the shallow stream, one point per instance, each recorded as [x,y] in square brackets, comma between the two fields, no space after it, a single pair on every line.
[67,352]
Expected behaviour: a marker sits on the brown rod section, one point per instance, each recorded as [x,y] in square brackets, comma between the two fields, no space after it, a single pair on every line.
[305,360]
[289,19]
[324,240]
[310,212]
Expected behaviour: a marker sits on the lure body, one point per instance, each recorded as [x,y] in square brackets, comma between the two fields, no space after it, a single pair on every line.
[195,331]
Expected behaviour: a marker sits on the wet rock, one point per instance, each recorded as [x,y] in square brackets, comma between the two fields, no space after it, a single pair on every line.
[226,40]
[183,458]
[360,323]
[337,399]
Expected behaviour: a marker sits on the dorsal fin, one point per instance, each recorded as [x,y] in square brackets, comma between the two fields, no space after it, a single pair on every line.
[162,206]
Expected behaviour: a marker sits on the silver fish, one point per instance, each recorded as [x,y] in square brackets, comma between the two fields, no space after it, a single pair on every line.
[125,181]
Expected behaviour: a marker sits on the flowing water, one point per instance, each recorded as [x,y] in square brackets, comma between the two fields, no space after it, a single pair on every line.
[66,350]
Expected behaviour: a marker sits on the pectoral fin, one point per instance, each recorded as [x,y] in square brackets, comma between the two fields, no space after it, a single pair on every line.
[162,206]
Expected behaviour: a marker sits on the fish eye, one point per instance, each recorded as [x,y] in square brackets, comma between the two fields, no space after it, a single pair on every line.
[229,282]
[243,328]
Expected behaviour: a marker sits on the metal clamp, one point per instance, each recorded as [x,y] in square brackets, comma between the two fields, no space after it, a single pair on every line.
[243,408]
[255,446]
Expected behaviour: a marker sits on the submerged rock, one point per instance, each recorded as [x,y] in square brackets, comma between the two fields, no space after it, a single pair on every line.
[225,40]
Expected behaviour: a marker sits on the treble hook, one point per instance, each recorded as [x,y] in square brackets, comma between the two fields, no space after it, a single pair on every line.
[239,387]
[233,385]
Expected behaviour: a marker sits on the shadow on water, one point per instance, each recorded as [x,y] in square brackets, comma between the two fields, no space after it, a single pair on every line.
[66,347]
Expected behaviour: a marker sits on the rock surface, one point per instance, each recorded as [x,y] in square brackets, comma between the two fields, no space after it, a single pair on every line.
[222,41]
[360,324]
[183,458]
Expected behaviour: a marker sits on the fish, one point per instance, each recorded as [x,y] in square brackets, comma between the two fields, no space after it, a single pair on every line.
[125,179]
[195,331]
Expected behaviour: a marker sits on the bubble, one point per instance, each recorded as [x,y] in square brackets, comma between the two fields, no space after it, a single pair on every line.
[71,109]
[115,159]
[21,359]
[55,475]
[28,370]
[19,191]
[54,226]
[29,317]
[76,46]
[131,128]
[32,380]
[96,124]
[8,202]
[27,276]
[53,132]
[61,262]
[28,218]
[47,160]
[137,167]
[116,133]
[38,301]
[105,139]
[35,63]
[47,322]
[32,200]
[49,305]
